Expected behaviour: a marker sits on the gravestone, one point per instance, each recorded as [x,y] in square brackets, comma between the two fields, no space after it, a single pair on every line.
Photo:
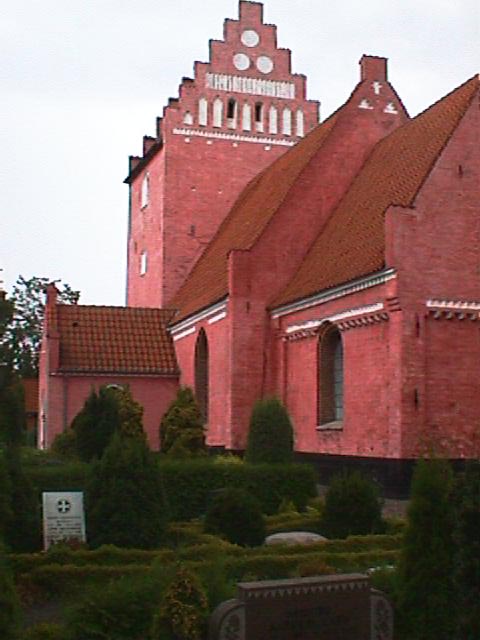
[63,517]
[338,607]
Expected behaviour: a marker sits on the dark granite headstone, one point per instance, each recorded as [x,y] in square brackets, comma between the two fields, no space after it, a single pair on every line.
[338,607]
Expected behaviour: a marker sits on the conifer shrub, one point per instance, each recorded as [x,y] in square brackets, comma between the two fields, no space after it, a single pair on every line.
[467,551]
[125,499]
[9,605]
[45,631]
[181,430]
[183,612]
[352,507]
[64,445]
[425,585]
[236,516]
[270,437]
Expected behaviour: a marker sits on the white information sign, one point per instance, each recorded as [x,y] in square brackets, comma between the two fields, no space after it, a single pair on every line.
[63,517]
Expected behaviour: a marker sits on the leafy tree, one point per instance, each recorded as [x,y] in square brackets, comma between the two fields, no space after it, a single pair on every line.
[184,609]
[23,333]
[236,516]
[425,593]
[125,498]
[467,551]
[9,605]
[181,430]
[270,438]
[6,514]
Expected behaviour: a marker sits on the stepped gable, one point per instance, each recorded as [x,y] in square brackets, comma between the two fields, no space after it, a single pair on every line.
[208,281]
[248,67]
[115,340]
[353,242]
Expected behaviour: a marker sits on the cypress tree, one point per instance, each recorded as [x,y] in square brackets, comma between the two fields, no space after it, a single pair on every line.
[95,424]
[181,430]
[9,605]
[270,438]
[125,497]
[467,552]
[425,591]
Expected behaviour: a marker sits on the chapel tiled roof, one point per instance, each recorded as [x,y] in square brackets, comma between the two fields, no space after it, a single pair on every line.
[353,242]
[208,280]
[115,339]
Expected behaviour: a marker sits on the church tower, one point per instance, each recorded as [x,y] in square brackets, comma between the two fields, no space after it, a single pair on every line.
[242,109]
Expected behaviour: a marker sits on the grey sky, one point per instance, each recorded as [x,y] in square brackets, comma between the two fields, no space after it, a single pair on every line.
[83,80]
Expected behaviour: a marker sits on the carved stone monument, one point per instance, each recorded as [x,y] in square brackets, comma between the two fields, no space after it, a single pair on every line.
[338,607]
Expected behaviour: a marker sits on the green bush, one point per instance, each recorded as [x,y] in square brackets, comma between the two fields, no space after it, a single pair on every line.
[183,611]
[189,484]
[352,507]
[236,515]
[467,551]
[9,605]
[181,430]
[426,596]
[95,424]
[64,445]
[125,505]
[270,437]
[45,631]
[121,610]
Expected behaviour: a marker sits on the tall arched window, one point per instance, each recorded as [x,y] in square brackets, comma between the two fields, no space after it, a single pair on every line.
[287,122]
[247,117]
[217,112]
[259,117]
[273,120]
[201,374]
[300,124]
[232,113]
[330,376]
[203,112]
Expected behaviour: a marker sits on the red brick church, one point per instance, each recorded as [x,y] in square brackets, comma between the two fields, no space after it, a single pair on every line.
[335,265]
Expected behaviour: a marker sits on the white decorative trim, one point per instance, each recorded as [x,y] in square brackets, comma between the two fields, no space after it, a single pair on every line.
[365,104]
[198,317]
[454,304]
[252,86]
[218,317]
[390,108]
[313,324]
[200,133]
[184,334]
[336,292]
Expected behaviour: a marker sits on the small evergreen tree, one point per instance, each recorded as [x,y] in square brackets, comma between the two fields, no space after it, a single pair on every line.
[425,592]
[183,611]
[6,514]
[23,530]
[181,430]
[9,605]
[352,506]
[125,497]
[236,516]
[467,552]
[95,424]
[270,438]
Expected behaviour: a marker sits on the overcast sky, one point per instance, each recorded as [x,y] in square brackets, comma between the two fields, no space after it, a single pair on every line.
[83,80]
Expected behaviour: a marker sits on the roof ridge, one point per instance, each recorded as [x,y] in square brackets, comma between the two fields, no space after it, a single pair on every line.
[398,184]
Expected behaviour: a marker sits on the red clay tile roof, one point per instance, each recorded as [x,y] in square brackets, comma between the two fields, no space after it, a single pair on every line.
[115,339]
[30,389]
[353,242]
[208,280]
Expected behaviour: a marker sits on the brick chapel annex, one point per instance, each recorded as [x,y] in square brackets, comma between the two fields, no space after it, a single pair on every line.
[335,265]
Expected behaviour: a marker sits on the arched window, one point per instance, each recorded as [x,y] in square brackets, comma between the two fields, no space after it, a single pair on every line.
[201,374]
[330,376]
[145,191]
[259,117]
[247,117]
[217,112]
[273,120]
[188,118]
[203,112]
[300,124]
[232,114]
[287,122]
